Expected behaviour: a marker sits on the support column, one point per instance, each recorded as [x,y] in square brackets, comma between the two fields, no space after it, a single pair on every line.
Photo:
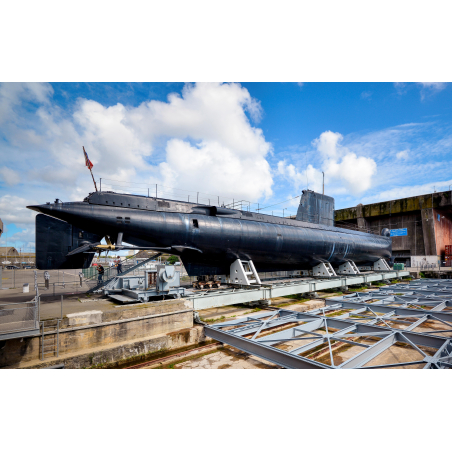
[363,224]
[428,231]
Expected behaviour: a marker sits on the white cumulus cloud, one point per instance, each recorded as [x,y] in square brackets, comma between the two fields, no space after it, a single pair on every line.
[345,171]
[208,121]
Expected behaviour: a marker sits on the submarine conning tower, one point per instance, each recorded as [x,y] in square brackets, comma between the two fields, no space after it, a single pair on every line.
[316,208]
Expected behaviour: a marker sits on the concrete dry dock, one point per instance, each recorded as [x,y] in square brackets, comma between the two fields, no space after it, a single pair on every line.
[107,335]
[406,325]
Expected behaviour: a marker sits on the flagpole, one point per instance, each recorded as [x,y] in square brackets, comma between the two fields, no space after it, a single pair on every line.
[95,186]
[84,153]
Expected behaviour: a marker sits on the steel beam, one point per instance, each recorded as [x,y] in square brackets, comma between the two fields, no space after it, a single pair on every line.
[266,291]
[274,355]
[347,328]
[262,347]
[367,355]
[409,312]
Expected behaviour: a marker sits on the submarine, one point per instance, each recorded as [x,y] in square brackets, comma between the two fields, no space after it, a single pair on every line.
[207,238]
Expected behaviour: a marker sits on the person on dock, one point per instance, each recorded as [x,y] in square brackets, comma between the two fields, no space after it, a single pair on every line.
[101,271]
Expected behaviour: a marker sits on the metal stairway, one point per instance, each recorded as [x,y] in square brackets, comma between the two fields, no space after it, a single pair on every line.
[111,279]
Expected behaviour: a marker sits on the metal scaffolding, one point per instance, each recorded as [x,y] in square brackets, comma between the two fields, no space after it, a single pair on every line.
[363,330]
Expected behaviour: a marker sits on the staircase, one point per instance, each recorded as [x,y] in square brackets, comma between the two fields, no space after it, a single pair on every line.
[111,274]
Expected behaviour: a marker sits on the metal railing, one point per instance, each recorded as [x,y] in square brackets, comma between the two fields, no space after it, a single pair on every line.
[16,317]
[178,194]
[163,191]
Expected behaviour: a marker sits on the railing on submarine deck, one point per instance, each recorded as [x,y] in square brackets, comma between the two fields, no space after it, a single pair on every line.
[178,194]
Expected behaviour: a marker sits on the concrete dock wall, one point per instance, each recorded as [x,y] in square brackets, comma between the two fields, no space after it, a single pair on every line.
[93,329]
[145,348]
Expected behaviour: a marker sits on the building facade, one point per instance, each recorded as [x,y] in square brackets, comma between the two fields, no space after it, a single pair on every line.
[420,225]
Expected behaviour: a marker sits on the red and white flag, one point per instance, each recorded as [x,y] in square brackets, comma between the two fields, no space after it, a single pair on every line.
[88,162]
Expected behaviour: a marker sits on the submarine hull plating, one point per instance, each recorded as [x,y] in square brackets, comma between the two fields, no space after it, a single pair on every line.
[208,243]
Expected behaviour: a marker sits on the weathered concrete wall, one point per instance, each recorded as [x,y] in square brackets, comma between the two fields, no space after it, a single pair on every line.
[443,230]
[428,231]
[418,214]
[432,200]
[79,334]
[93,317]
[145,349]
[413,222]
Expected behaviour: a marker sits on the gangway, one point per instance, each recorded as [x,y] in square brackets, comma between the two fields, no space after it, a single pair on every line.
[110,278]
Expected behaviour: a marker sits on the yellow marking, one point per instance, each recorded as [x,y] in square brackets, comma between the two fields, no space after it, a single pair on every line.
[105,247]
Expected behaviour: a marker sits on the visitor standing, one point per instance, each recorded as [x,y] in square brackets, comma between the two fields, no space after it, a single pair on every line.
[101,271]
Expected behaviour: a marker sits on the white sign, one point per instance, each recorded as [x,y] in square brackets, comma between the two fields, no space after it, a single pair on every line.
[425,262]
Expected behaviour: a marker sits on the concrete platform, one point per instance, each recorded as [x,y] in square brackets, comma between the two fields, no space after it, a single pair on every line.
[86,328]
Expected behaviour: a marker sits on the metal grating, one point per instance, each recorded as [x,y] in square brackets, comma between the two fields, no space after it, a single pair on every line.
[376,329]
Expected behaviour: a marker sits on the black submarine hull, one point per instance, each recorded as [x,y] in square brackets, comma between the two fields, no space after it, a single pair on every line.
[216,238]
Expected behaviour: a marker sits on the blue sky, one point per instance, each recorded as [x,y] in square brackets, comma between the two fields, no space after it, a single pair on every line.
[261,142]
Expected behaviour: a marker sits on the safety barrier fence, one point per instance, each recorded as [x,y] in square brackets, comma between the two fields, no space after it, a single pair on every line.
[16,317]
[61,281]
[23,281]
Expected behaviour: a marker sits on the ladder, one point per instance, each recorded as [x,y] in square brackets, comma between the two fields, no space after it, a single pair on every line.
[50,343]
[244,273]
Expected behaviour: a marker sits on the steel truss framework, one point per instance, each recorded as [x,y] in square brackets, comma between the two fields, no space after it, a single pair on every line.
[373,321]
[270,289]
